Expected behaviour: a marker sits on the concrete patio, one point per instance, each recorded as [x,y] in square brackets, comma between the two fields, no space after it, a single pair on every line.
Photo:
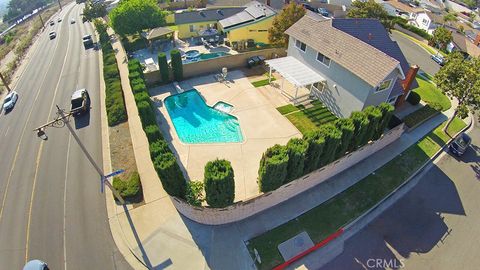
[261,124]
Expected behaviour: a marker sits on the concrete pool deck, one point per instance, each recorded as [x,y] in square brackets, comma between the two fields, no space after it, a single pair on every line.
[261,124]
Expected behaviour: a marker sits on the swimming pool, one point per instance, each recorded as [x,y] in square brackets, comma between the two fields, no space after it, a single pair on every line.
[191,56]
[196,122]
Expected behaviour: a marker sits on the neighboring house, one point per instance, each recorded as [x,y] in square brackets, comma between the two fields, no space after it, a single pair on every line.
[251,23]
[464,44]
[423,20]
[193,23]
[401,9]
[354,63]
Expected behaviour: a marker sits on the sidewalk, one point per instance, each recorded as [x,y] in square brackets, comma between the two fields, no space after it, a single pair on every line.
[158,236]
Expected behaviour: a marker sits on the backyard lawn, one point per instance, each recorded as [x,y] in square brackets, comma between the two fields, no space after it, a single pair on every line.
[430,94]
[306,119]
[328,217]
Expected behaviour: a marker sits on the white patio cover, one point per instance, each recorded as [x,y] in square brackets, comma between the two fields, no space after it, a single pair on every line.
[295,71]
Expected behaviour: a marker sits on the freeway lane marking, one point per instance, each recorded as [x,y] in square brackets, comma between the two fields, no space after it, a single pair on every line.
[39,153]
[6,131]
[65,206]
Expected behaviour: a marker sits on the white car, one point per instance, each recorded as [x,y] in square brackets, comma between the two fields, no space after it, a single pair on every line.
[72,21]
[35,265]
[52,35]
[10,100]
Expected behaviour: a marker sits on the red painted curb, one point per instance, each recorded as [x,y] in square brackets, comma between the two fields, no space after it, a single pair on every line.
[310,250]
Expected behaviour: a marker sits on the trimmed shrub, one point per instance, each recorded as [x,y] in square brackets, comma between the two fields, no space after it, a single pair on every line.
[346,126]
[133,64]
[137,81]
[111,71]
[177,65]
[153,133]
[134,75]
[146,114]
[436,106]
[387,112]
[297,151]
[163,66]
[333,137]
[419,116]
[361,122]
[141,96]
[374,117]
[219,183]
[413,98]
[194,194]
[116,113]
[139,88]
[130,188]
[170,175]
[109,59]
[158,147]
[273,168]
[316,143]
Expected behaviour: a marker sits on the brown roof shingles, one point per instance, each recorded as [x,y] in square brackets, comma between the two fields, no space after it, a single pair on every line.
[365,61]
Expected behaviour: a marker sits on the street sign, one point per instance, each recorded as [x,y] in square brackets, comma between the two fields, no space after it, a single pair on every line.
[117,172]
[105,177]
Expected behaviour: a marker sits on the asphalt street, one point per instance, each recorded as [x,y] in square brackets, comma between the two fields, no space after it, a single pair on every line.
[415,54]
[51,207]
[434,226]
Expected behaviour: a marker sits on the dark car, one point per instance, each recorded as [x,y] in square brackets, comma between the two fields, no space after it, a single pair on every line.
[307,6]
[323,12]
[87,41]
[80,102]
[460,144]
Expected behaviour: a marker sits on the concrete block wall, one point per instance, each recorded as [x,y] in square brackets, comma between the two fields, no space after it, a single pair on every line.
[250,207]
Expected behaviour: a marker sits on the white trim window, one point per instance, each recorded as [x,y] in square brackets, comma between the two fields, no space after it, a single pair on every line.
[384,85]
[323,59]
[392,100]
[300,45]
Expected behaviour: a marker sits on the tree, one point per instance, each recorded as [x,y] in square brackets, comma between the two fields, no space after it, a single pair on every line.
[133,16]
[460,78]
[370,9]
[219,183]
[177,65]
[94,10]
[163,65]
[450,17]
[289,15]
[441,37]
[16,8]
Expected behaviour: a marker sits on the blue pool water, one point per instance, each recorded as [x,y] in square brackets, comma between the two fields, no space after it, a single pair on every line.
[196,122]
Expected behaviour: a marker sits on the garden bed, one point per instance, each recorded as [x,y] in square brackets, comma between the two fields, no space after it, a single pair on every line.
[307,119]
[419,116]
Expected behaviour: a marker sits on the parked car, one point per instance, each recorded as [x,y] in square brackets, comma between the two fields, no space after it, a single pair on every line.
[87,41]
[80,102]
[323,12]
[10,100]
[307,6]
[35,265]
[52,35]
[439,59]
[52,23]
[460,144]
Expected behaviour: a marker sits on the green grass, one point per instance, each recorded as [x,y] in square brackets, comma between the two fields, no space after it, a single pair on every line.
[430,94]
[328,217]
[261,83]
[419,116]
[307,119]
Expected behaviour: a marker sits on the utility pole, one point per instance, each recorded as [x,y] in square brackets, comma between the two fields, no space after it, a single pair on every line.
[41,19]
[64,118]
[5,83]
[59,4]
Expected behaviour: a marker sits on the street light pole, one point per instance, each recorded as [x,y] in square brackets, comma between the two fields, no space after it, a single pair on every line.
[59,4]
[65,119]
[5,83]
[41,19]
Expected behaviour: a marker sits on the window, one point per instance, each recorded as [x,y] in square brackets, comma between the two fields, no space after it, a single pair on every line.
[425,22]
[392,100]
[384,85]
[323,59]
[300,45]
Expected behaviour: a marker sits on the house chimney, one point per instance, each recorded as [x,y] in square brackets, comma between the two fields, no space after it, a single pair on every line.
[268,3]
[477,40]
[406,84]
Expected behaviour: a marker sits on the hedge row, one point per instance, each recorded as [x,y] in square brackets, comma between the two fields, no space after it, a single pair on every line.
[129,189]
[164,160]
[114,100]
[413,29]
[282,164]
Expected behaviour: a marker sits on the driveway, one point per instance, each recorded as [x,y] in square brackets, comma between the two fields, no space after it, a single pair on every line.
[434,226]
[415,54]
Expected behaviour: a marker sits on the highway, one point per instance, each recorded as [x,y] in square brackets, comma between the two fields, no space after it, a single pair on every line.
[51,207]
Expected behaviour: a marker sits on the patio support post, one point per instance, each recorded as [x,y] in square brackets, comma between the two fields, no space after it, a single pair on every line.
[296,93]
[281,89]
[270,76]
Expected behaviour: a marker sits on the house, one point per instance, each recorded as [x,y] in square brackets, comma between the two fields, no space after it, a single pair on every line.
[194,23]
[425,20]
[463,44]
[399,9]
[348,64]
[251,23]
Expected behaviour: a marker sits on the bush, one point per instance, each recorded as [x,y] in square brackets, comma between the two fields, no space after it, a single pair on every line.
[297,151]
[333,137]
[139,88]
[158,147]
[194,194]
[361,122]
[137,81]
[219,183]
[413,98]
[374,116]
[316,143]
[141,96]
[133,64]
[273,168]
[153,133]
[146,114]
[116,113]
[413,29]
[177,65]
[134,75]
[346,126]
[163,66]
[111,71]
[435,105]
[130,188]
[170,175]
[387,112]
[420,115]
[109,59]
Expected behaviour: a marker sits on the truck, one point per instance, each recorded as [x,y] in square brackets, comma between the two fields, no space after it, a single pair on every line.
[80,102]
[87,41]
